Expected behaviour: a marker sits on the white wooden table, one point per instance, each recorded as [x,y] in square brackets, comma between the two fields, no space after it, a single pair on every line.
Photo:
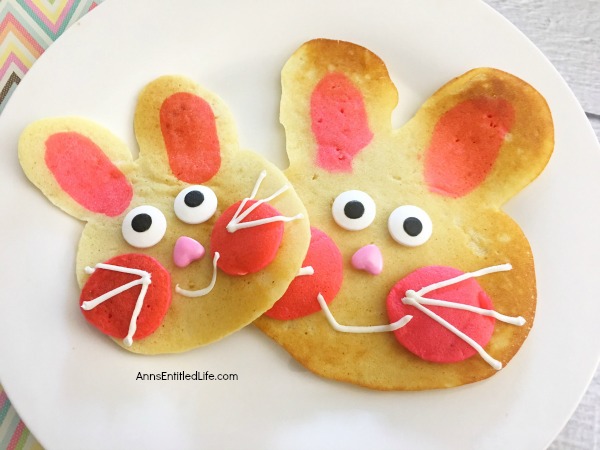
[568,33]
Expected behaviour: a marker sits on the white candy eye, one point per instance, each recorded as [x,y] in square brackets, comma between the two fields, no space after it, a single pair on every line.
[410,225]
[144,226]
[353,210]
[195,204]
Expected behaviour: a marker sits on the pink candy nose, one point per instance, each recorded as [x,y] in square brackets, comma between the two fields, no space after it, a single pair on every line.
[186,251]
[369,259]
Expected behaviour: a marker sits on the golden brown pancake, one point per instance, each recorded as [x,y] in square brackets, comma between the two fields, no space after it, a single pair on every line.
[473,145]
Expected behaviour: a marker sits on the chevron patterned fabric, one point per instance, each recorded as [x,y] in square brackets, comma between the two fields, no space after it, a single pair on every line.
[27,28]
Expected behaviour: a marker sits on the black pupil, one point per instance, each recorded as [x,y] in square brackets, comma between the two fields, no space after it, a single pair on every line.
[354,209]
[141,222]
[413,226]
[194,198]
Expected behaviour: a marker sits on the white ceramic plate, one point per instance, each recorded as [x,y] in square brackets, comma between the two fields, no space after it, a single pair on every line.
[75,389]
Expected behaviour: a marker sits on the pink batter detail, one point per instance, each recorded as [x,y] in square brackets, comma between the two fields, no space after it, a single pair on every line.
[300,299]
[248,250]
[425,337]
[113,316]
[190,132]
[339,122]
[85,173]
[465,144]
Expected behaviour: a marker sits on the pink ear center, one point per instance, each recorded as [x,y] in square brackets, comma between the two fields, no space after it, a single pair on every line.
[465,144]
[85,173]
[188,126]
[339,122]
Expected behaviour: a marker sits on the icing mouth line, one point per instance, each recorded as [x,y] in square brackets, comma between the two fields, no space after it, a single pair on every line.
[360,329]
[417,300]
[144,279]
[236,223]
[207,289]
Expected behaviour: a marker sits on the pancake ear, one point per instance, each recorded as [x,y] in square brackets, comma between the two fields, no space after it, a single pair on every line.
[78,165]
[490,134]
[180,127]
[335,97]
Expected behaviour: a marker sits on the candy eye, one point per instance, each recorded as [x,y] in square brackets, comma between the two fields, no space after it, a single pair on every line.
[144,226]
[353,210]
[195,204]
[410,225]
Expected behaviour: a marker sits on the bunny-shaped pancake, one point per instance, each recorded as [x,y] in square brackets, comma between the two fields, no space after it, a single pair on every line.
[415,278]
[187,243]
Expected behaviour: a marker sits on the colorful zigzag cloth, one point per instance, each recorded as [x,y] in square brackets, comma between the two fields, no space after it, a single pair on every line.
[27,28]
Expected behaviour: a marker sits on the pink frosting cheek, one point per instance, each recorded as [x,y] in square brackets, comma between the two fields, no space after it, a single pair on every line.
[425,337]
[301,297]
[113,316]
[247,250]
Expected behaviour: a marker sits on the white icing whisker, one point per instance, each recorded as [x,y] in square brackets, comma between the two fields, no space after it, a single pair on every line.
[491,361]
[417,300]
[360,329]
[308,270]
[260,202]
[207,289]
[138,272]
[464,276]
[91,304]
[258,222]
[519,321]
[236,223]
[261,177]
[128,341]
[237,212]
[145,280]
[259,180]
